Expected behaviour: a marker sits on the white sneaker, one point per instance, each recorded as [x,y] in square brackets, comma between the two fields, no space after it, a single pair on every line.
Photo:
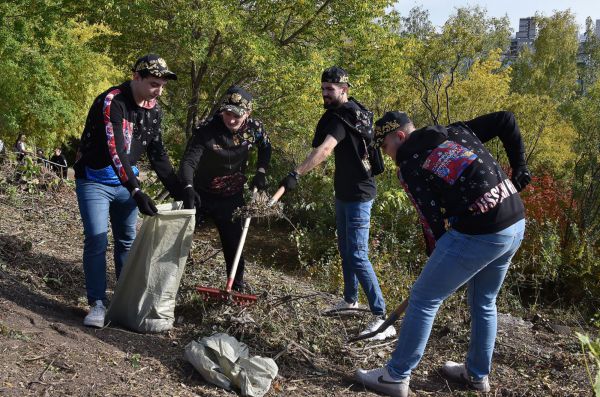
[95,318]
[342,308]
[458,373]
[380,380]
[389,332]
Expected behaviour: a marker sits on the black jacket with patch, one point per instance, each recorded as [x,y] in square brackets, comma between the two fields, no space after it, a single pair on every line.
[118,132]
[450,176]
[215,159]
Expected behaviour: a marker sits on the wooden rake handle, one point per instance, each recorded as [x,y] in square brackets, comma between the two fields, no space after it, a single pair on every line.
[392,318]
[276,196]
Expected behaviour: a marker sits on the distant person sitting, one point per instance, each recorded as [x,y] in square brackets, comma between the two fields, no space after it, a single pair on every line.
[20,148]
[59,163]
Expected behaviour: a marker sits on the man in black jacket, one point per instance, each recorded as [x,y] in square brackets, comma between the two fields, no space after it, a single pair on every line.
[473,221]
[355,191]
[214,165]
[59,163]
[123,123]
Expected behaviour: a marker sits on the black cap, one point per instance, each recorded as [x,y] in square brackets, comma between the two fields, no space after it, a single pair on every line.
[335,74]
[155,66]
[237,100]
[390,122]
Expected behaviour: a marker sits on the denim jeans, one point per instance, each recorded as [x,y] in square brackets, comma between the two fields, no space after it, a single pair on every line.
[96,203]
[353,221]
[481,262]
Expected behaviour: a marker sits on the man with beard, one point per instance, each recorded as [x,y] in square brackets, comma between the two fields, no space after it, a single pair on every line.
[123,123]
[355,191]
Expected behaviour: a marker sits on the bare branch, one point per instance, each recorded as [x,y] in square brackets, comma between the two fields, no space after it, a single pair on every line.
[306,24]
[285,26]
[450,83]
[197,77]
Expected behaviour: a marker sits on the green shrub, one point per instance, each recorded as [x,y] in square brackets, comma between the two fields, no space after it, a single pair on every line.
[592,347]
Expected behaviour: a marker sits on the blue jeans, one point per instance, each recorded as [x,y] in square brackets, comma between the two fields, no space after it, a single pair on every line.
[96,203]
[481,262]
[353,221]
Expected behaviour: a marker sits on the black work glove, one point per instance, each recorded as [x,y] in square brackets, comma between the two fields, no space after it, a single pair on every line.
[191,199]
[290,181]
[144,203]
[520,177]
[259,181]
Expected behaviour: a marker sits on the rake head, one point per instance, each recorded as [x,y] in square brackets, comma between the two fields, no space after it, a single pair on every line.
[215,294]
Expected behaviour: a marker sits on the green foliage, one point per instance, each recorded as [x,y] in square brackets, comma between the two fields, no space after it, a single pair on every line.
[51,72]
[588,65]
[592,348]
[485,88]
[548,134]
[538,265]
[437,62]
[586,183]
[550,69]
[276,49]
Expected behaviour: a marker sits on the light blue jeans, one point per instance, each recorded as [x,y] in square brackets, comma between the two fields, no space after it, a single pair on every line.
[481,262]
[96,203]
[353,221]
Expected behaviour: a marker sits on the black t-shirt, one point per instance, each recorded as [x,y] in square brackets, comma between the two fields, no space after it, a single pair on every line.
[351,181]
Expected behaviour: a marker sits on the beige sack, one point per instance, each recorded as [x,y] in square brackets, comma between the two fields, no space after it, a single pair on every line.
[144,299]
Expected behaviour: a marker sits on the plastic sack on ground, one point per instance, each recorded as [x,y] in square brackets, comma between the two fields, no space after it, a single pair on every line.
[144,299]
[225,362]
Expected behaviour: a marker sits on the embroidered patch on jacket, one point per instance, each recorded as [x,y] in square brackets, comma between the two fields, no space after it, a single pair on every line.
[449,160]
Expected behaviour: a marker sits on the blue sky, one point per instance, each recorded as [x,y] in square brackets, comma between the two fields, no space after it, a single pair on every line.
[439,10]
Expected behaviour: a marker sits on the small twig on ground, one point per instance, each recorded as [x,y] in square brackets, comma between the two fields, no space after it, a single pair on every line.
[385,344]
[41,377]
[281,353]
[33,358]
[210,256]
[345,311]
[291,298]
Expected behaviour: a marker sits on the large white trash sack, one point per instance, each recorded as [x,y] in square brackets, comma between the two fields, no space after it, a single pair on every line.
[144,299]
[225,362]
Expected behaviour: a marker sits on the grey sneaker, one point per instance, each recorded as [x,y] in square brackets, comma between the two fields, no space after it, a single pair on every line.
[380,380]
[95,318]
[389,332]
[341,307]
[458,373]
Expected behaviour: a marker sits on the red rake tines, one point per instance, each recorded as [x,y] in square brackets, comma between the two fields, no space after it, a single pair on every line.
[237,298]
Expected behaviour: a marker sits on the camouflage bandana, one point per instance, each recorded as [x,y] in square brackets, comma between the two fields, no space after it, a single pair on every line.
[237,100]
[155,66]
[390,122]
